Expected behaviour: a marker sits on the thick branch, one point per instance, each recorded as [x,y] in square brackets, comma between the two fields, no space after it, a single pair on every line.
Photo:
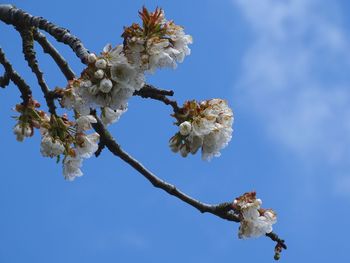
[52,51]
[23,87]
[30,57]
[149,91]
[17,17]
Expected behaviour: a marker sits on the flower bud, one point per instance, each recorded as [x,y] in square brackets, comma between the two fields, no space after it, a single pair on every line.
[185,128]
[99,74]
[106,85]
[92,58]
[101,64]
[183,150]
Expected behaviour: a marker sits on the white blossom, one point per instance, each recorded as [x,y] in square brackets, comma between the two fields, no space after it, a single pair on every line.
[87,145]
[21,131]
[163,47]
[257,226]
[50,147]
[208,126]
[84,122]
[181,42]
[74,99]
[85,84]
[71,167]
[93,89]
[255,221]
[109,116]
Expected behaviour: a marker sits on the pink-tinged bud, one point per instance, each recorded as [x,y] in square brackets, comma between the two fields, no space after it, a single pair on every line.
[36,104]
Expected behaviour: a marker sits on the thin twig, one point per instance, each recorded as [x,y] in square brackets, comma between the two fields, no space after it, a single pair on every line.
[17,17]
[223,210]
[280,244]
[23,87]
[52,51]
[30,56]
[149,91]
[111,144]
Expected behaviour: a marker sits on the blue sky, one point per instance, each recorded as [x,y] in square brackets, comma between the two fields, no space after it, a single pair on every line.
[283,67]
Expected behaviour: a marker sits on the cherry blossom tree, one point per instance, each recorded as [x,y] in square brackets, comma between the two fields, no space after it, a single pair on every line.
[99,96]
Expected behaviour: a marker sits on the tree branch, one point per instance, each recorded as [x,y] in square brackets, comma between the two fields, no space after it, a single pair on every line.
[218,210]
[149,91]
[27,25]
[30,56]
[17,17]
[23,87]
[52,51]
[223,210]
[279,246]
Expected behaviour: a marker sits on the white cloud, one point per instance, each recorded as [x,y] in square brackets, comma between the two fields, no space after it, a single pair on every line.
[296,76]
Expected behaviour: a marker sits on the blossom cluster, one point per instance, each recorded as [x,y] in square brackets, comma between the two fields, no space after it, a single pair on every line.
[59,136]
[158,43]
[112,78]
[63,137]
[206,125]
[255,221]
[108,81]
[28,119]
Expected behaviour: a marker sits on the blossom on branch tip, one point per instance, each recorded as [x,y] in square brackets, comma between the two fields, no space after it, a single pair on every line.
[254,221]
[158,43]
[206,125]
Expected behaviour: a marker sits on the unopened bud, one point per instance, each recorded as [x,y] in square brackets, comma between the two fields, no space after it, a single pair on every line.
[92,58]
[106,85]
[185,128]
[183,150]
[101,64]
[99,74]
